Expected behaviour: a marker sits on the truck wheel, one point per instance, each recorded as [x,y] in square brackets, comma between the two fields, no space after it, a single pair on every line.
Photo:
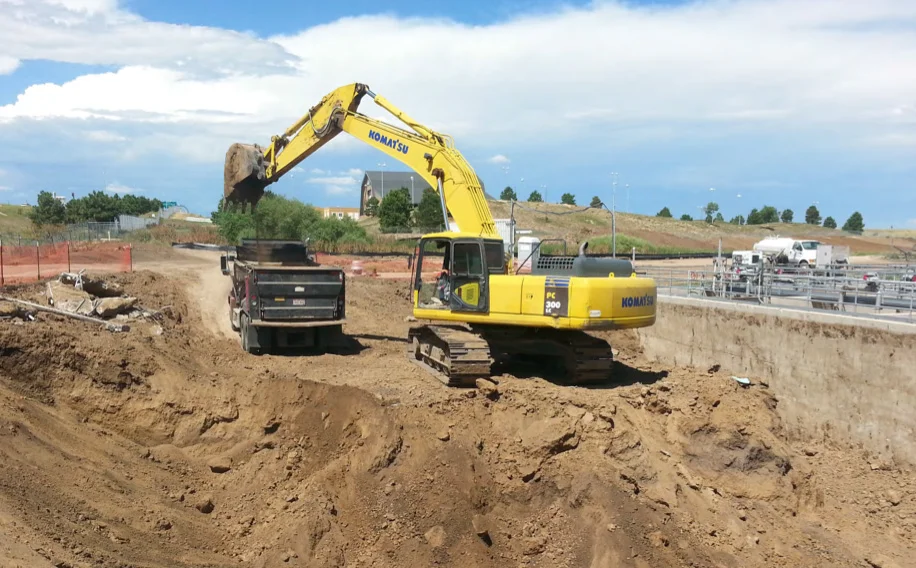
[232,321]
[803,265]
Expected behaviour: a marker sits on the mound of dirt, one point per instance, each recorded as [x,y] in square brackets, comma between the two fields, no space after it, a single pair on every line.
[169,446]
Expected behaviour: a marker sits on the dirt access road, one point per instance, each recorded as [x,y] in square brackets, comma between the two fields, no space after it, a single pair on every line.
[169,447]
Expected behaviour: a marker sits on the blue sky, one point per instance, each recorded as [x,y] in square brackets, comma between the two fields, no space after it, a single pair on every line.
[784,103]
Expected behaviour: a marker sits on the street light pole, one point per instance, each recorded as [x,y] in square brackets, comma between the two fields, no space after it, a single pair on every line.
[628,198]
[614,216]
[382,165]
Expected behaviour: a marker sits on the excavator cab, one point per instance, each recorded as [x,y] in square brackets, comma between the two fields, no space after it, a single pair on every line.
[451,272]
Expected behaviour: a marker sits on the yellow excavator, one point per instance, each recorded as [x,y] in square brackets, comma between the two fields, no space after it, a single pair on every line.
[480,312]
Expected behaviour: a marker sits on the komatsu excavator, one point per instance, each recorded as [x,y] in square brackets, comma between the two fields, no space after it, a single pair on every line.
[479,311]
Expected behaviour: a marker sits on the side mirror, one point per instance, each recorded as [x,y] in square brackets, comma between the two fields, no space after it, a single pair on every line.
[224,265]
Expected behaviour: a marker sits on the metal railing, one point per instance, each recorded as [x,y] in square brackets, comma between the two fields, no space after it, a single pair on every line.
[882,291]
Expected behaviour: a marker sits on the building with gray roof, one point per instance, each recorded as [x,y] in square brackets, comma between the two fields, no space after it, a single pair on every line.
[378,184]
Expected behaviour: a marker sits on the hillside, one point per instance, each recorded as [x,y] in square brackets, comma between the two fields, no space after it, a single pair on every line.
[14,219]
[656,234]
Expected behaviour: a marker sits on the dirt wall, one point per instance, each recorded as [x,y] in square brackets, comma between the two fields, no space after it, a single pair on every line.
[835,377]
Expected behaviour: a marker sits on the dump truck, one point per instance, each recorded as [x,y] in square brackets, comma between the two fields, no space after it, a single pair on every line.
[281,297]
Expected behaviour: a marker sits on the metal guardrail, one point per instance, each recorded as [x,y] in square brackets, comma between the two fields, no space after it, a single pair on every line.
[886,291]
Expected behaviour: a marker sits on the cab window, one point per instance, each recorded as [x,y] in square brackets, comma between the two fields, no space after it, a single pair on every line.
[466,259]
[496,259]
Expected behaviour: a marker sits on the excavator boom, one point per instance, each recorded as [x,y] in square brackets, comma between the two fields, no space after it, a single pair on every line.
[249,168]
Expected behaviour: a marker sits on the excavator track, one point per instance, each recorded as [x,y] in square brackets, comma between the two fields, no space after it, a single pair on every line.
[584,359]
[589,360]
[454,355]
[458,356]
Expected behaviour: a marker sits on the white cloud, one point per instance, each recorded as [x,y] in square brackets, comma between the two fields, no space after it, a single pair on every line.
[121,189]
[334,180]
[105,136]
[623,75]
[338,190]
[5,188]
[97,32]
[767,62]
[354,172]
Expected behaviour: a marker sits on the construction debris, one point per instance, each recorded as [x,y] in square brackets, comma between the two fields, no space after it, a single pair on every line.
[38,307]
[9,310]
[79,294]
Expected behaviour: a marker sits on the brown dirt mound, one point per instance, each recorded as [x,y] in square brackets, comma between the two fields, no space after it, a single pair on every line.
[205,456]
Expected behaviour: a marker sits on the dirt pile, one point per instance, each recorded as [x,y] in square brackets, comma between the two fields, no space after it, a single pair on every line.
[168,446]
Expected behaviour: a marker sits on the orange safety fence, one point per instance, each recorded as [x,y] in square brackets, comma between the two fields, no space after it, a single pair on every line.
[20,264]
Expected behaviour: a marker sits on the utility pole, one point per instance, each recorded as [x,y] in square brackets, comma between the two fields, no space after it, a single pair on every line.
[382,165]
[614,216]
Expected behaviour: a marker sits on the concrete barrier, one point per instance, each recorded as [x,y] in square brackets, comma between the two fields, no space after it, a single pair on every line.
[835,376]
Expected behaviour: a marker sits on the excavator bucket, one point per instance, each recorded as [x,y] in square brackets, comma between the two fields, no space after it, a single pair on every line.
[244,175]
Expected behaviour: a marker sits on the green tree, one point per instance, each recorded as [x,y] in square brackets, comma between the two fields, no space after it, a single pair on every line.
[719,218]
[855,223]
[48,211]
[233,221]
[665,212]
[711,209]
[535,197]
[686,217]
[812,216]
[568,199]
[596,202]
[372,206]
[830,223]
[331,230]
[277,217]
[768,214]
[394,211]
[737,220]
[101,207]
[508,194]
[787,216]
[429,212]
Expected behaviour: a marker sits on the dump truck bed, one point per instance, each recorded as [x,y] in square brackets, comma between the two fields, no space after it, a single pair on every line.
[294,295]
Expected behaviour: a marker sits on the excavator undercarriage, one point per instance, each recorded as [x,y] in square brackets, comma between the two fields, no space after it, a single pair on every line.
[458,355]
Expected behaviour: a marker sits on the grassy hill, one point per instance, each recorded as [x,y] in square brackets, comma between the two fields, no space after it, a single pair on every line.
[14,220]
[661,235]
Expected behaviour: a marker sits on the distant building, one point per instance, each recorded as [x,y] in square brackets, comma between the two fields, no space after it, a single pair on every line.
[378,184]
[341,212]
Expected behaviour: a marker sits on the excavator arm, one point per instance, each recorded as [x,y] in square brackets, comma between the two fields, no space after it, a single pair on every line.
[249,169]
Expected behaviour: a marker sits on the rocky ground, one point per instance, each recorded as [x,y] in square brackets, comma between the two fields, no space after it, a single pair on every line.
[168,446]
